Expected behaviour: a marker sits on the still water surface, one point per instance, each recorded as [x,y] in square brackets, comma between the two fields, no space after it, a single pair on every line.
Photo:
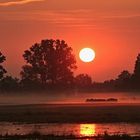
[68,129]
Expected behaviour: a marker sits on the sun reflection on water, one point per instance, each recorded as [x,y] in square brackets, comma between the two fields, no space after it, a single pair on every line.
[87,129]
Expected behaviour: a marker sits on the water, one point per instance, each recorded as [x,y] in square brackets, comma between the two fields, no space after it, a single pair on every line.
[81,130]
[68,129]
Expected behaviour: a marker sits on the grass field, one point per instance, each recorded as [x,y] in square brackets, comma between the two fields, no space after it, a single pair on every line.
[70,113]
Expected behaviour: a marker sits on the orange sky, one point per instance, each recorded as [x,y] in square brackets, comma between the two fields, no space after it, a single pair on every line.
[110,27]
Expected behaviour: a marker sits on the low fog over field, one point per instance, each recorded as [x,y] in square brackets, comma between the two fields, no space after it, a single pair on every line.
[64,97]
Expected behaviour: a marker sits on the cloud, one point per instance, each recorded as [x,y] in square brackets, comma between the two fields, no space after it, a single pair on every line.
[75,18]
[18,2]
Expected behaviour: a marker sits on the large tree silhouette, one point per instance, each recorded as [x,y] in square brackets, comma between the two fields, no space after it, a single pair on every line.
[50,61]
[136,75]
[2,70]
[137,67]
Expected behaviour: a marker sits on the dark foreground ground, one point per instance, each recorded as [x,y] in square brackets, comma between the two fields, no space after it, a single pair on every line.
[51,137]
[70,113]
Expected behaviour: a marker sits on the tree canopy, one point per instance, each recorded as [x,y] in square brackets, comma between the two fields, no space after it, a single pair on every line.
[8,83]
[137,68]
[2,70]
[49,62]
[136,75]
[83,80]
[124,80]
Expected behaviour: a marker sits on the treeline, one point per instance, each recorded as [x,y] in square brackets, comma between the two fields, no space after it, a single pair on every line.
[126,80]
[50,65]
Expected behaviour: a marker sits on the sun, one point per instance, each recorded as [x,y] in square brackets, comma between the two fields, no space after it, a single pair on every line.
[87,55]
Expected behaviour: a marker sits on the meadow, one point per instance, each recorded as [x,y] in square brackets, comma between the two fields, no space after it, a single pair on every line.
[71,113]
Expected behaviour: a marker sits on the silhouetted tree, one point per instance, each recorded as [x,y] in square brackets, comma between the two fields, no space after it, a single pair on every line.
[9,83]
[28,73]
[2,70]
[137,68]
[123,80]
[136,74]
[124,76]
[109,84]
[83,80]
[29,78]
[51,61]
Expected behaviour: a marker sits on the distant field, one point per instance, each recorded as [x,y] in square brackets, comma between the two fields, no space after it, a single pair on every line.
[70,113]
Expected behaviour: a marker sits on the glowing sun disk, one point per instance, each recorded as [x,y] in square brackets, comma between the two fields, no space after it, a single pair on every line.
[87,54]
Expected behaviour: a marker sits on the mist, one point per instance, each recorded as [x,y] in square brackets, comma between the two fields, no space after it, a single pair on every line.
[64,97]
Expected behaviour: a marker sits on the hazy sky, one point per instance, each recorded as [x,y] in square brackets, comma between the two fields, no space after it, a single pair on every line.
[110,27]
